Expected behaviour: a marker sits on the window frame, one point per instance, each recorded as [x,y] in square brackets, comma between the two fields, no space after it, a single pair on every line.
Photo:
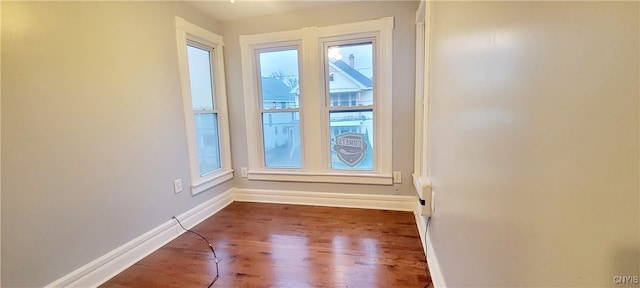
[273,47]
[190,34]
[342,40]
[315,102]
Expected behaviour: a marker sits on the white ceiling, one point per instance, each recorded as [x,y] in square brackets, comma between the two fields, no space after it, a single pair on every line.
[224,10]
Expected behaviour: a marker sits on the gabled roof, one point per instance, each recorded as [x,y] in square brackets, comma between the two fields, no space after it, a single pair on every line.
[353,73]
[275,90]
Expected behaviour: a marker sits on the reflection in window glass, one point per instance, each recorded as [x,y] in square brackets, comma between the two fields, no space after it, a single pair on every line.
[200,78]
[206,125]
[281,150]
[279,79]
[350,75]
[351,140]
[350,82]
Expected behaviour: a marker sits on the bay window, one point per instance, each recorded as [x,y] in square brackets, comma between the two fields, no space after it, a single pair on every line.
[318,103]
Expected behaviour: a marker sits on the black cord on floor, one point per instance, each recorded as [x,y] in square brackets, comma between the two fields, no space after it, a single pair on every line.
[208,243]
[426,267]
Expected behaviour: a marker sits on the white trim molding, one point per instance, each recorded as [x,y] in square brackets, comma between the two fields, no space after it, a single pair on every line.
[363,201]
[421,180]
[427,247]
[189,34]
[105,267]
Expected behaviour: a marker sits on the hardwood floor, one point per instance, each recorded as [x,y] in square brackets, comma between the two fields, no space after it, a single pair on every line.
[273,245]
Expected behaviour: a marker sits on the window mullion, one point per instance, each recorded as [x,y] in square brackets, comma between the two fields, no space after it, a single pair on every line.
[313,116]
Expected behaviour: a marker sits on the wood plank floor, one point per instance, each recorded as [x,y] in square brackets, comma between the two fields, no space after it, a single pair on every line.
[273,245]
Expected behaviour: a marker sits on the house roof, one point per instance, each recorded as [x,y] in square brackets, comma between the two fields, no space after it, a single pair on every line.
[275,90]
[353,73]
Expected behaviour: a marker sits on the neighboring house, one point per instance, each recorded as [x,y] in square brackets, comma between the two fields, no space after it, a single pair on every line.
[349,87]
[281,130]
[206,125]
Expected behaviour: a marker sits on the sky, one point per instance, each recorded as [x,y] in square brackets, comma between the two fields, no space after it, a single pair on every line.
[200,78]
[286,60]
[270,62]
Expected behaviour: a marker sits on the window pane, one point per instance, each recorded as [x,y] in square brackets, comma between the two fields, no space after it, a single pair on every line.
[200,78]
[351,140]
[279,79]
[281,139]
[207,142]
[350,74]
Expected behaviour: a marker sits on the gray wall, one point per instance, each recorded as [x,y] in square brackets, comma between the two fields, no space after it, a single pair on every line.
[534,142]
[92,131]
[403,83]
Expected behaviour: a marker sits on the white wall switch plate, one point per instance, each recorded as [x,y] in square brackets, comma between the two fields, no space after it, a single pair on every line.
[177,185]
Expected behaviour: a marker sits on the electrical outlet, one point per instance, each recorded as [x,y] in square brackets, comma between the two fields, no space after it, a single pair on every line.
[397,177]
[244,172]
[177,185]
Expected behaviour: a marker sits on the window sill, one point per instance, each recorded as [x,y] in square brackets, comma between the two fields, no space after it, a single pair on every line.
[215,180]
[342,178]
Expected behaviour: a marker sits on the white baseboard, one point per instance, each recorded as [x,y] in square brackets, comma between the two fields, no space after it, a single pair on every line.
[434,265]
[363,201]
[104,268]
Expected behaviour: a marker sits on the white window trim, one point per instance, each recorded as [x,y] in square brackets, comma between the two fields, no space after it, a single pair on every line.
[185,32]
[315,165]
[420,175]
